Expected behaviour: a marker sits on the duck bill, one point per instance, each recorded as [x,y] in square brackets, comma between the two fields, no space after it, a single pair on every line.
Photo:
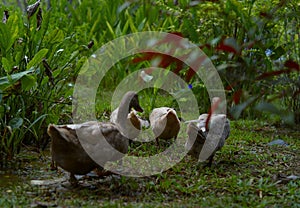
[139,109]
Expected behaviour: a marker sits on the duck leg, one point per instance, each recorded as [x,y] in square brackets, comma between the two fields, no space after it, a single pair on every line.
[157,142]
[73,181]
[53,165]
[210,161]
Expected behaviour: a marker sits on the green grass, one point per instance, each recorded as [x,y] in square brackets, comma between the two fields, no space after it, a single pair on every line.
[246,173]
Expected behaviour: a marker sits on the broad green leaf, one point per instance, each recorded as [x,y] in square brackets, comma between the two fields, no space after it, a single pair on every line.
[13,27]
[57,72]
[9,33]
[45,80]
[3,35]
[264,106]
[28,81]
[37,58]
[11,79]
[56,36]
[15,123]
[19,56]
[236,111]
[6,64]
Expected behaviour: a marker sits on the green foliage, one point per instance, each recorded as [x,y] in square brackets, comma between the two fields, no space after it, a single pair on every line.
[34,76]
[253,44]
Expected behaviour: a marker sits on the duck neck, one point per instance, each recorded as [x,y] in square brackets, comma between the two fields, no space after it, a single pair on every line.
[123,110]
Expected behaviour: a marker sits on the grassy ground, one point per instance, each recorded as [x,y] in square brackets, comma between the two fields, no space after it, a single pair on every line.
[247,173]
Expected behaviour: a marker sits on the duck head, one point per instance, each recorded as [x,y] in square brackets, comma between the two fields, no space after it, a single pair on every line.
[134,103]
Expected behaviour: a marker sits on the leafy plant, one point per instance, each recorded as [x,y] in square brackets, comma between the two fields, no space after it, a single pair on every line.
[36,67]
[253,44]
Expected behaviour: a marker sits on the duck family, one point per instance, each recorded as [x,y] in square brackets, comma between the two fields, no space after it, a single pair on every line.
[69,151]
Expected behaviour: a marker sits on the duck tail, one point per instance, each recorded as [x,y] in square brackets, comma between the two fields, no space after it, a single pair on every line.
[53,131]
[171,115]
[59,132]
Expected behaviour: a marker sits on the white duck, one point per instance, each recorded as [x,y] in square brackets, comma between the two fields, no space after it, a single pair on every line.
[198,131]
[164,123]
[68,152]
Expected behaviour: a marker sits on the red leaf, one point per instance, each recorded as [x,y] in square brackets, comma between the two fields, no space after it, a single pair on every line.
[166,61]
[292,65]
[194,67]
[174,38]
[190,73]
[226,48]
[229,45]
[179,67]
[211,111]
[147,56]
[229,87]
[206,45]
[266,15]
[237,96]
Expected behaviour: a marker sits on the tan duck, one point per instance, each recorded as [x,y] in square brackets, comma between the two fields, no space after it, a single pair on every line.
[197,131]
[68,152]
[164,123]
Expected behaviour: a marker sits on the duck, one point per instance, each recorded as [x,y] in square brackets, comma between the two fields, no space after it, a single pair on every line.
[137,121]
[67,150]
[164,123]
[197,131]
[132,124]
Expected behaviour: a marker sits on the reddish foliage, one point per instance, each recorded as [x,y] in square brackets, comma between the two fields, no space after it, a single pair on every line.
[237,96]
[229,87]
[174,38]
[266,15]
[190,73]
[205,46]
[291,65]
[228,45]
[227,48]
[211,111]
[194,68]
[165,60]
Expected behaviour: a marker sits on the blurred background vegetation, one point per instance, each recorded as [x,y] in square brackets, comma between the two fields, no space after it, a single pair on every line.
[254,44]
